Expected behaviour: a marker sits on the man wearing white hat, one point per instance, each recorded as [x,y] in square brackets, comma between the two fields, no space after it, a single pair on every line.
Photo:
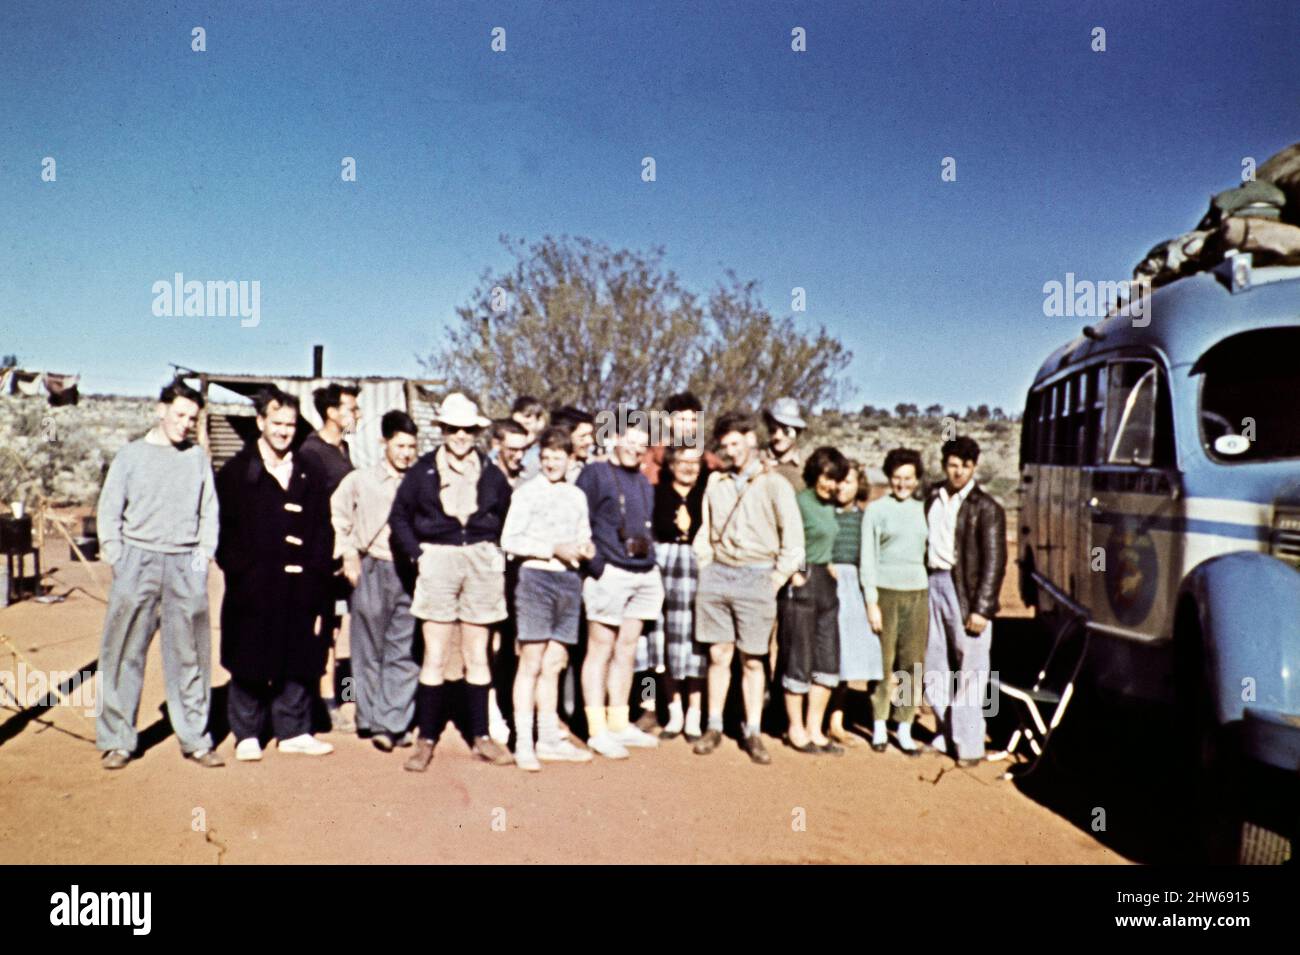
[447,519]
[784,425]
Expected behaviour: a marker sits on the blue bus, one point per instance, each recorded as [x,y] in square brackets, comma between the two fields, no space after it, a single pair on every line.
[1160,509]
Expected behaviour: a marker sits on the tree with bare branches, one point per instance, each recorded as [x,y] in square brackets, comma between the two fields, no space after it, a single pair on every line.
[576,322]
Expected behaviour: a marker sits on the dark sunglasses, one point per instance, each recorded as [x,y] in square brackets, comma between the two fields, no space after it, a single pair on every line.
[461,430]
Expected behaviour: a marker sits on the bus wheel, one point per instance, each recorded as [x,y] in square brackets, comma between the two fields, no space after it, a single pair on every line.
[1216,792]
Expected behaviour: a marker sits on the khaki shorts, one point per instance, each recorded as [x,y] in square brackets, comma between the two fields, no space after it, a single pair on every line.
[736,605]
[461,583]
[619,595]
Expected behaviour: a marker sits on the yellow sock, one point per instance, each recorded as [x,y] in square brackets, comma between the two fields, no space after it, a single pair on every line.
[617,716]
[595,720]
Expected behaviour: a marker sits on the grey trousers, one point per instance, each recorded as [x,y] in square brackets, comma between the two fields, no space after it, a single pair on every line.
[384,670]
[149,589]
[956,672]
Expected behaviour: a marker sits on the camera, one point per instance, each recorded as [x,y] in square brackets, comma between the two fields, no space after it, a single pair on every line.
[634,545]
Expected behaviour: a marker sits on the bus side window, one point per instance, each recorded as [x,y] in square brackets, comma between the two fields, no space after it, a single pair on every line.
[1074,409]
[1047,434]
[1133,390]
[1095,445]
[1066,430]
[1029,430]
[1079,422]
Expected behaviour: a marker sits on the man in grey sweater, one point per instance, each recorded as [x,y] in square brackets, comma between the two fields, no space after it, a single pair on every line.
[157,521]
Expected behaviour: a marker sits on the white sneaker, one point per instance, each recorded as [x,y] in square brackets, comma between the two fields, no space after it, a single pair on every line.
[306,745]
[563,751]
[499,732]
[636,738]
[608,745]
[527,759]
[249,750]
[498,728]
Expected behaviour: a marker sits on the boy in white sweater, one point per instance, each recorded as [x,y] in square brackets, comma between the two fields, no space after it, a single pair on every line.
[546,527]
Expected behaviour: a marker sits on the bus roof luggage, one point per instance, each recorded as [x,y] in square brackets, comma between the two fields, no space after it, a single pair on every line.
[1261,217]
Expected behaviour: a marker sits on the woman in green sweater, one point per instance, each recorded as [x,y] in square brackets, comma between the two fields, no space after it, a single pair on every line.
[809,610]
[896,587]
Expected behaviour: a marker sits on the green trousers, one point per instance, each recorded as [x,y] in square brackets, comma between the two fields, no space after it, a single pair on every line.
[906,617]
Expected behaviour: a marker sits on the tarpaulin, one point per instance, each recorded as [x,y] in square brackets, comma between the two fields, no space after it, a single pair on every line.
[28,383]
[62,388]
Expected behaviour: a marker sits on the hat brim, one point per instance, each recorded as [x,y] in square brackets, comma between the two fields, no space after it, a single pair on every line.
[463,422]
[788,420]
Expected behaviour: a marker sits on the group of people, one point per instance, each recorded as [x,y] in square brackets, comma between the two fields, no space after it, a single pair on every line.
[515,581]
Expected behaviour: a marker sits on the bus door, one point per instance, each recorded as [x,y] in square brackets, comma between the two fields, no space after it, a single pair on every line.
[1132,499]
[1051,550]
[1064,526]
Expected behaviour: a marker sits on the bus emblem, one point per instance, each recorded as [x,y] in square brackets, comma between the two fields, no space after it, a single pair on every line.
[1132,566]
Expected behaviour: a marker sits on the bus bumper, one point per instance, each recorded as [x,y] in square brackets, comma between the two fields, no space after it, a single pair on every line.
[1272,737]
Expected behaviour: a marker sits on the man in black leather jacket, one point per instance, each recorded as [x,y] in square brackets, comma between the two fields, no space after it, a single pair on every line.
[966,556]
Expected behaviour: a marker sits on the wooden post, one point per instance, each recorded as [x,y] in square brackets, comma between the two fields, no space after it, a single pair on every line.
[58,525]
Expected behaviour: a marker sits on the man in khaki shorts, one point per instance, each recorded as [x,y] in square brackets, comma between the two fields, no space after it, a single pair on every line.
[749,543]
[447,517]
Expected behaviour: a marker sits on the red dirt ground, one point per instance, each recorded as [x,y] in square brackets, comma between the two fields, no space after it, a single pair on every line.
[358,806]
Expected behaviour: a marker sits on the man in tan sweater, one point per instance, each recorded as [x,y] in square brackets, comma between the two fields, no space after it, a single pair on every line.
[749,544]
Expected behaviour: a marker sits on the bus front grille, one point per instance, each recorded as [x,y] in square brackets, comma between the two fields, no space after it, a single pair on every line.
[1285,541]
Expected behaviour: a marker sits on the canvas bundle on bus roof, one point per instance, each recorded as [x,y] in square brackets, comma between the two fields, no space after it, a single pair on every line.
[1261,216]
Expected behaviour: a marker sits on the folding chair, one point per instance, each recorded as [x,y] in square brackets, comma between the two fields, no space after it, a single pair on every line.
[1049,696]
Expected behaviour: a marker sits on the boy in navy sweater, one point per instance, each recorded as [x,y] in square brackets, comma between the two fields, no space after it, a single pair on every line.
[624,589]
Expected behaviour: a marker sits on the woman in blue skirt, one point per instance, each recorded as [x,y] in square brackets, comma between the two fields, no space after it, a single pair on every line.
[859,645]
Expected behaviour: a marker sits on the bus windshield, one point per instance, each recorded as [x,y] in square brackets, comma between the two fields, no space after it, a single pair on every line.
[1250,396]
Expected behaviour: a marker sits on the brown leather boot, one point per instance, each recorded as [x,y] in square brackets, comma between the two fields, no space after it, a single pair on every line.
[421,758]
[710,741]
[753,745]
[488,750]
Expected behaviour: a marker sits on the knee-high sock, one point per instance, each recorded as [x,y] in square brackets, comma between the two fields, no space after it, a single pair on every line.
[454,712]
[477,698]
[430,711]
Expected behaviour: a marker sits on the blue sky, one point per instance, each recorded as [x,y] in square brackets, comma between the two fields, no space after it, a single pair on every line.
[817,169]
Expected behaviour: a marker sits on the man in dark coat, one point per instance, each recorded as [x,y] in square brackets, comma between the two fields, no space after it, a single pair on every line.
[327,449]
[275,547]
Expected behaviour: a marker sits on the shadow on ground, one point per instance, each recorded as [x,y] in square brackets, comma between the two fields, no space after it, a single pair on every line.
[25,716]
[1109,772]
